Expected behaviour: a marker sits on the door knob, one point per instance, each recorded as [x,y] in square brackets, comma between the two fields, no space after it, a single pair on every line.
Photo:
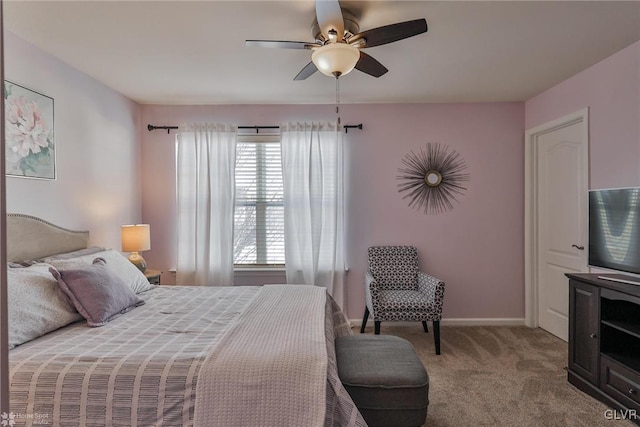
[580,248]
[593,335]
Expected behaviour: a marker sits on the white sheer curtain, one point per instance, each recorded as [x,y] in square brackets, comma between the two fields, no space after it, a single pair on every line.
[205,163]
[312,168]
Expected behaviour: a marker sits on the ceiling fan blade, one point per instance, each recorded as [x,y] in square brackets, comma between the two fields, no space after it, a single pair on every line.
[369,65]
[308,70]
[391,33]
[281,44]
[329,16]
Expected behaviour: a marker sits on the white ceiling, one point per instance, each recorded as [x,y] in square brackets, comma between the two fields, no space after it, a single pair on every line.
[181,52]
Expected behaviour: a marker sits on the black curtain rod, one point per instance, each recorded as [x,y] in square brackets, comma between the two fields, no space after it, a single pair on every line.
[257,128]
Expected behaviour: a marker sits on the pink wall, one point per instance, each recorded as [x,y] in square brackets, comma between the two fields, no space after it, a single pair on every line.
[97,151]
[105,179]
[477,248]
[611,90]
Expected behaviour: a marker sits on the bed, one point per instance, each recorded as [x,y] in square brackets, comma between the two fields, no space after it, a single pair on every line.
[188,356]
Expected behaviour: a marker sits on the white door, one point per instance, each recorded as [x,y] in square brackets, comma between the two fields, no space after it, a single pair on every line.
[561,218]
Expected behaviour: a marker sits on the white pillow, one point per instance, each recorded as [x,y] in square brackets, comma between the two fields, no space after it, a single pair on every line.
[117,262]
[35,304]
[73,254]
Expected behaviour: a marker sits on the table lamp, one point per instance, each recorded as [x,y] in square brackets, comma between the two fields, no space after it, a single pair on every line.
[136,238]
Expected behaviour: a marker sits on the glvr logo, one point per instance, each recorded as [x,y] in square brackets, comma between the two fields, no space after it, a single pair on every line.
[620,414]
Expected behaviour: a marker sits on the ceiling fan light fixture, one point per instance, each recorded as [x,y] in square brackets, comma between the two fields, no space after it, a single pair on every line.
[335,59]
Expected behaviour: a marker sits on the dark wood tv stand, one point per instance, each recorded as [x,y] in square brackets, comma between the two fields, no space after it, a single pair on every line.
[604,341]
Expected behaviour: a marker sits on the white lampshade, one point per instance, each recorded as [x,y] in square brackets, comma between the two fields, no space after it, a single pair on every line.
[335,59]
[136,238]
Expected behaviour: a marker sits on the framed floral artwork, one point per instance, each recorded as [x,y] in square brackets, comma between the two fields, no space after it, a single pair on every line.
[29,138]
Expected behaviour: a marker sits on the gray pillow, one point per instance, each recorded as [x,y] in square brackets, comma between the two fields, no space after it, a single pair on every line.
[36,305]
[117,262]
[96,292]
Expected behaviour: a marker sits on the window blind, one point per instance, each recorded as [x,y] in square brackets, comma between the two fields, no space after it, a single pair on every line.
[259,210]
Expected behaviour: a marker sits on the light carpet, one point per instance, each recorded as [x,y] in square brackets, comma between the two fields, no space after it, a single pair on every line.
[500,376]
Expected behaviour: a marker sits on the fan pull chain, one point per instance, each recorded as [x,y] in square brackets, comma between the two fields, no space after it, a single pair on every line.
[338,99]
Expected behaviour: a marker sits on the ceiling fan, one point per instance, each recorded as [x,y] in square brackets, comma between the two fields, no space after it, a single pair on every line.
[338,42]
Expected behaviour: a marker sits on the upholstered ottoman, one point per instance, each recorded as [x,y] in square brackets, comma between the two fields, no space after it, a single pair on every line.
[385,379]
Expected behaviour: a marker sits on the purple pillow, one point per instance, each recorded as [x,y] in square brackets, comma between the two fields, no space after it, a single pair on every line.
[98,293]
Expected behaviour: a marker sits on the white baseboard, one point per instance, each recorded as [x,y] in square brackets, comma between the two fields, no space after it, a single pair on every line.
[457,322]
[505,321]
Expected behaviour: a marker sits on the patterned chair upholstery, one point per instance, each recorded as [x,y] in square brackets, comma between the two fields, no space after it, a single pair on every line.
[396,290]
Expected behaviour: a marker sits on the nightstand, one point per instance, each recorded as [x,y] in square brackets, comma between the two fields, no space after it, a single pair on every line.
[153,276]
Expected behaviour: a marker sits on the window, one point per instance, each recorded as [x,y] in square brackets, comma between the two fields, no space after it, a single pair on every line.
[259,210]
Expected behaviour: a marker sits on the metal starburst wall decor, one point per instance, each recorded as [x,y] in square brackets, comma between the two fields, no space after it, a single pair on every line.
[432,178]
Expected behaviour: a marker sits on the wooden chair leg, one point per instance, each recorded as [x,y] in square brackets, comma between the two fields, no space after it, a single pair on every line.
[436,335]
[364,319]
[424,325]
[377,326]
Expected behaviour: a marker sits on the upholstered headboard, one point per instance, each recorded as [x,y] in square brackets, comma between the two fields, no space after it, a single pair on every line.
[29,237]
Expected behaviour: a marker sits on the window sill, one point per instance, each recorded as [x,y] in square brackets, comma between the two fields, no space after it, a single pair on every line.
[259,271]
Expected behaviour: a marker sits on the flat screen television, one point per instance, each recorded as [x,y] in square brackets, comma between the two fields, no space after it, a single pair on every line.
[614,230]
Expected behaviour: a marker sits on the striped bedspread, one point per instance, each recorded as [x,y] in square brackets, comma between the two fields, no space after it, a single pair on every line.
[270,367]
[142,368]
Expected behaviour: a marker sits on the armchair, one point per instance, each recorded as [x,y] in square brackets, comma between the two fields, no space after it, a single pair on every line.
[397,291]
